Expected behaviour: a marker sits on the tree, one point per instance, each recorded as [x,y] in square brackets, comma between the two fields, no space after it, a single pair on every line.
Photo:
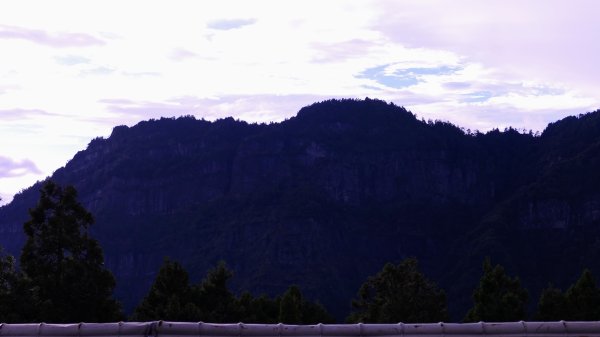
[16,304]
[581,302]
[217,304]
[399,293]
[552,305]
[294,309]
[64,264]
[290,307]
[169,297]
[498,298]
[260,309]
[583,299]
[315,312]
[8,280]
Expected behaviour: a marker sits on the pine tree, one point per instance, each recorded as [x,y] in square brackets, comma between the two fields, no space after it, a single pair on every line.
[583,299]
[217,304]
[169,297]
[8,279]
[399,293]
[260,309]
[290,307]
[315,312]
[498,298]
[552,305]
[64,265]
[16,301]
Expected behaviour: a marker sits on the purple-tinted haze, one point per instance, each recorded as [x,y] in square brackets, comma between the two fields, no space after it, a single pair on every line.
[57,40]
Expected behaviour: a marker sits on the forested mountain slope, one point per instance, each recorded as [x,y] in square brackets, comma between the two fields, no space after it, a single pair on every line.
[324,199]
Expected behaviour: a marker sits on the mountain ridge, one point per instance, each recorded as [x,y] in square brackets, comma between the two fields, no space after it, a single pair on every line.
[330,195]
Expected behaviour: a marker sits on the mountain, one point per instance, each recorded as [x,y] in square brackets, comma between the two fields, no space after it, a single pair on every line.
[326,198]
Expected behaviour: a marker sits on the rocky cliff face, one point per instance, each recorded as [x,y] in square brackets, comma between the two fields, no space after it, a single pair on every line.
[326,198]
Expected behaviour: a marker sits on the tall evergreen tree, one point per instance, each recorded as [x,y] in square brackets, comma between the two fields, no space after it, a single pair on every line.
[498,298]
[16,302]
[552,305]
[290,307]
[295,309]
[315,312]
[8,280]
[583,299]
[217,304]
[64,264]
[169,298]
[399,293]
[260,309]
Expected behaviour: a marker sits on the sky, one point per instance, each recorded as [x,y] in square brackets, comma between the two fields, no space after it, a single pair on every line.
[72,70]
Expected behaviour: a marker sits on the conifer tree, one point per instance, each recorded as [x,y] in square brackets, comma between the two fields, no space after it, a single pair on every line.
[498,298]
[583,299]
[399,293]
[8,279]
[290,307]
[169,298]
[260,309]
[16,302]
[217,304]
[552,305]
[64,265]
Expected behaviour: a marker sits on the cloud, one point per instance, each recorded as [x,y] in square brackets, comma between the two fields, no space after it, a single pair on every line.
[14,168]
[380,76]
[71,60]
[250,108]
[55,40]
[396,76]
[552,40]
[132,110]
[456,85]
[20,114]
[477,96]
[228,24]
[101,70]
[180,54]
[336,52]
[6,88]
[140,73]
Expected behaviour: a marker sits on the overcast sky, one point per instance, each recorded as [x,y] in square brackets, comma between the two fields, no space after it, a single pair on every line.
[72,70]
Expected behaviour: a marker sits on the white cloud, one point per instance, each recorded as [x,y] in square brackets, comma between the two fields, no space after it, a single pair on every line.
[15,168]
[227,24]
[55,40]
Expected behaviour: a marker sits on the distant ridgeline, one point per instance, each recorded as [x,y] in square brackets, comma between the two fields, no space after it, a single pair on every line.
[326,198]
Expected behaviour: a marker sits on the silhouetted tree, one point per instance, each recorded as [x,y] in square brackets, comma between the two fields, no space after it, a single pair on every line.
[552,305]
[260,309]
[295,309]
[8,279]
[169,298]
[290,309]
[64,265]
[16,302]
[583,299]
[498,297]
[217,304]
[315,312]
[399,293]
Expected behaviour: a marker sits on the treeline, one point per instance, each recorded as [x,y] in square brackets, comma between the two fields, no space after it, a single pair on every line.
[62,278]
[172,297]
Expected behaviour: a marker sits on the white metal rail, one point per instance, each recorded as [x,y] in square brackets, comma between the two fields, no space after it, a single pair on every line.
[200,329]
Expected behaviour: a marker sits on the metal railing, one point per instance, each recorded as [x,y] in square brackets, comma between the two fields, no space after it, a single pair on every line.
[200,329]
